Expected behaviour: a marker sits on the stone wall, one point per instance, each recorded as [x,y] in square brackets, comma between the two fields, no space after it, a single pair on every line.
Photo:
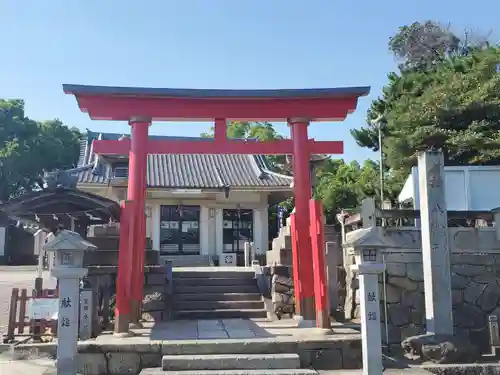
[157,303]
[131,355]
[282,291]
[475,276]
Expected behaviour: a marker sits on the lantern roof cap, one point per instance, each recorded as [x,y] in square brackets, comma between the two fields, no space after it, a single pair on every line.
[366,238]
[67,240]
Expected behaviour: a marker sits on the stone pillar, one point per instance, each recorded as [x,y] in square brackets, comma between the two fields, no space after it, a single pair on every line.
[435,246]
[368,216]
[248,255]
[371,337]
[332,257]
[86,303]
[366,245]
[67,320]
[68,248]
[38,242]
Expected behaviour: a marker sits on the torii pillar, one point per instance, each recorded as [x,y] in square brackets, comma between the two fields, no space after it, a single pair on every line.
[302,193]
[138,156]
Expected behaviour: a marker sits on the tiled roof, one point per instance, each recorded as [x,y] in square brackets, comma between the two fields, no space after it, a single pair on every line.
[187,171]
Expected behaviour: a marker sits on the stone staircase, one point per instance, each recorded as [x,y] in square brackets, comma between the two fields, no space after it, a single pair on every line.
[211,293]
[186,260]
[281,251]
[230,364]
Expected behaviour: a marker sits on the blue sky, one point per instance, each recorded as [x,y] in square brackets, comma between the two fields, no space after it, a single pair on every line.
[209,44]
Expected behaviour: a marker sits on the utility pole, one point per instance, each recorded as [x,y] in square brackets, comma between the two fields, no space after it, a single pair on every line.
[379,122]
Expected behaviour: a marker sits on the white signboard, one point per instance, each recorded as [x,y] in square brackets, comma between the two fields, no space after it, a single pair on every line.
[42,308]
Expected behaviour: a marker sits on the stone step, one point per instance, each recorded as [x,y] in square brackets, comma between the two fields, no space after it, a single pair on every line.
[285,231]
[159,371]
[215,305]
[214,289]
[219,297]
[211,281]
[110,258]
[204,274]
[186,260]
[105,243]
[230,362]
[220,314]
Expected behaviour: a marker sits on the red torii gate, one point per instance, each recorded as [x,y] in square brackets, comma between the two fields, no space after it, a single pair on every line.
[140,106]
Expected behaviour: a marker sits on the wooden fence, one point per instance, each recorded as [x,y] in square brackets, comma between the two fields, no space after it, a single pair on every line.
[19,321]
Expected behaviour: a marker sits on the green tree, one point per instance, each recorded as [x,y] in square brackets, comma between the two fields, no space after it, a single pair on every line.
[262,131]
[344,185]
[339,185]
[28,147]
[423,44]
[451,104]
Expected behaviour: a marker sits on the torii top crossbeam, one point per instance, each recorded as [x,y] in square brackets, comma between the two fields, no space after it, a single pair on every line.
[163,104]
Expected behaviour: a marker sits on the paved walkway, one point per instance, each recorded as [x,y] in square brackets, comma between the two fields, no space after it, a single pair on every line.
[45,367]
[37,366]
[406,371]
[227,329]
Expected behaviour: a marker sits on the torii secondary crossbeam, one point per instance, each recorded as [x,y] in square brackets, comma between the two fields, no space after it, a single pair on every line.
[140,106]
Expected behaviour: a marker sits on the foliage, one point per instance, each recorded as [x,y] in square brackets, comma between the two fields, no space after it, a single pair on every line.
[28,147]
[422,45]
[452,104]
[339,184]
[262,131]
[344,185]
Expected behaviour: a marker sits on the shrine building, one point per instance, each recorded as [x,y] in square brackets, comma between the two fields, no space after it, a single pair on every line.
[201,206]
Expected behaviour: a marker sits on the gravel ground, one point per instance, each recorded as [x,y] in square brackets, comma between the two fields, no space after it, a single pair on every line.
[16,277]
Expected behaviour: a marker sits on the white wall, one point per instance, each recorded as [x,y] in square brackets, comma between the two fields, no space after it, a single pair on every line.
[261,230]
[155,226]
[211,242]
[204,231]
[467,188]
[211,220]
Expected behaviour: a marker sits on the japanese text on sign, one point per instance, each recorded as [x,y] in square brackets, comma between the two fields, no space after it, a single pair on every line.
[371,297]
[42,308]
[66,302]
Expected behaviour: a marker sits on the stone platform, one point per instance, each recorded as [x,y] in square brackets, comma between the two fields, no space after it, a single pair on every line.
[111,355]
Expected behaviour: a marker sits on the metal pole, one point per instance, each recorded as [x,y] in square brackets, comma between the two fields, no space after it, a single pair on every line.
[381,163]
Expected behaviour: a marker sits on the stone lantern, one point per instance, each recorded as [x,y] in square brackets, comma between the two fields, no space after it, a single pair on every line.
[68,248]
[366,245]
